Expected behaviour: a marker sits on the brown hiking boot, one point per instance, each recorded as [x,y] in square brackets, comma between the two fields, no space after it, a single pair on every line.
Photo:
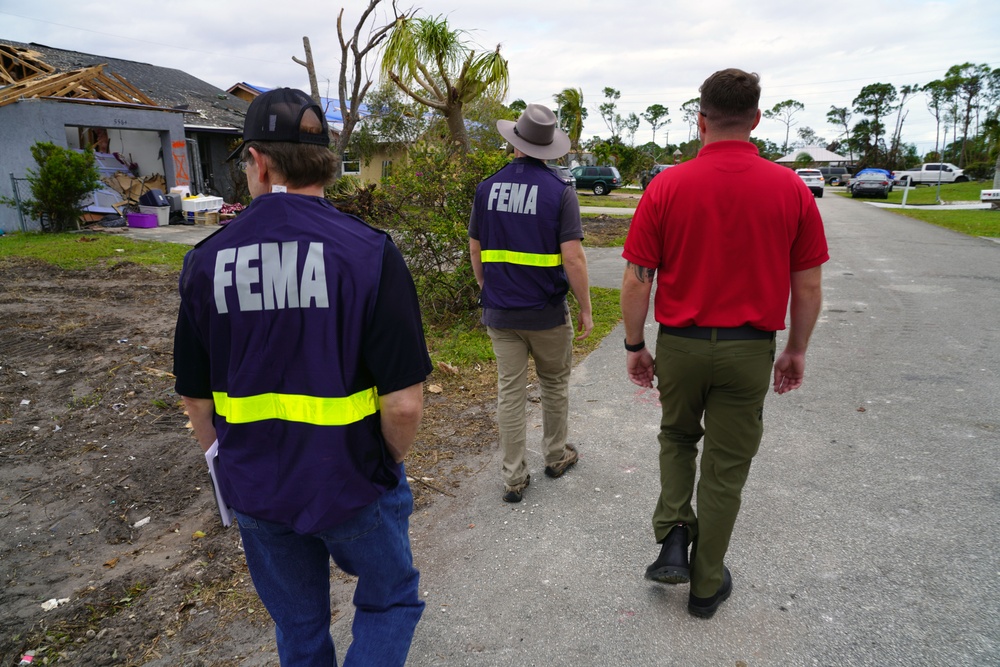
[512,494]
[569,458]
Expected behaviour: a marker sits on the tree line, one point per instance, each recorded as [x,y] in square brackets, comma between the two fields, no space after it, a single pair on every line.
[965,105]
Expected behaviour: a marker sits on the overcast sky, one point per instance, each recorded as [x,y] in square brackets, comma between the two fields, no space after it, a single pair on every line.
[655,52]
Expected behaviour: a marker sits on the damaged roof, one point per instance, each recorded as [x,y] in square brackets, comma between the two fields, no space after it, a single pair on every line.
[206,106]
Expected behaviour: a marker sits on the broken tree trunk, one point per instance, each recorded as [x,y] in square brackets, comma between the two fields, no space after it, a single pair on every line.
[311,69]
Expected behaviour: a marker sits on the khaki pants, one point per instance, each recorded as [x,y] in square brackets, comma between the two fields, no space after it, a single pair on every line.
[552,350]
[725,382]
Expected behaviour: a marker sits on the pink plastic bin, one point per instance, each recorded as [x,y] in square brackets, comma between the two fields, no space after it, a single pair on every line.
[141,220]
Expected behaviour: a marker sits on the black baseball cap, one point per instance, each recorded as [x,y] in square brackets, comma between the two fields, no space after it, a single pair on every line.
[276,116]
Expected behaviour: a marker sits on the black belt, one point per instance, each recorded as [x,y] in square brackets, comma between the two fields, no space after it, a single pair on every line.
[745,332]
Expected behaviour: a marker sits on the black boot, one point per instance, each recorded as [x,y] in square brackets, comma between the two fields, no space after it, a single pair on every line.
[705,607]
[672,565]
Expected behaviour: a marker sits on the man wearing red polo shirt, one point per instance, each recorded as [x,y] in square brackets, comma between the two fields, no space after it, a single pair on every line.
[728,237]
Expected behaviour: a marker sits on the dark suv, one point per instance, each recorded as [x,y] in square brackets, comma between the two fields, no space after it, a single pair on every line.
[601,180]
[835,175]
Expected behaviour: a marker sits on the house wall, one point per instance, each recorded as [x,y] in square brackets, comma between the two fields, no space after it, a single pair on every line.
[26,122]
[372,170]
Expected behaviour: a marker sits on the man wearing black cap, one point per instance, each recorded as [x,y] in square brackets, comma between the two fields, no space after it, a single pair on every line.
[299,350]
[524,238]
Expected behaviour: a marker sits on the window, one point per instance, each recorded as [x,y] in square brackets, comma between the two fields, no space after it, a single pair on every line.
[351,165]
[386,168]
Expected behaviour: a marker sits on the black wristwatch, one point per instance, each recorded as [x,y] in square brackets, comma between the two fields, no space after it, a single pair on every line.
[635,348]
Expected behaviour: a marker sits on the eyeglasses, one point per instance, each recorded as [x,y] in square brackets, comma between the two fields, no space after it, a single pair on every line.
[242,165]
[702,113]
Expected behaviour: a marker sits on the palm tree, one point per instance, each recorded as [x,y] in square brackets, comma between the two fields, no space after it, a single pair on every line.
[571,114]
[433,64]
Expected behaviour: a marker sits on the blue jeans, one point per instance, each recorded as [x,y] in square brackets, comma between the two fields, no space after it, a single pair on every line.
[291,573]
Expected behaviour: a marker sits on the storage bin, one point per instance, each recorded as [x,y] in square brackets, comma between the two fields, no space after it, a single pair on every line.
[162,214]
[141,220]
[201,203]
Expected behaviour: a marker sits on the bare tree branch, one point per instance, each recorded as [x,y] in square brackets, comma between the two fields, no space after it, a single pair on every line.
[351,91]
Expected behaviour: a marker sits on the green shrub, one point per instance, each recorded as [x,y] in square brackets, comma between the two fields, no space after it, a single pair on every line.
[425,204]
[63,178]
[981,171]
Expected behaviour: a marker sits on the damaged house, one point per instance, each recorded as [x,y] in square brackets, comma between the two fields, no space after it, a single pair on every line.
[153,125]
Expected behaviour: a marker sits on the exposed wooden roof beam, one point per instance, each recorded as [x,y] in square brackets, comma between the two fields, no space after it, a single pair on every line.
[18,64]
[89,82]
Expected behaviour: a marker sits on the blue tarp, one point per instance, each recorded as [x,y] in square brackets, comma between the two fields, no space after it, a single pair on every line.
[332,107]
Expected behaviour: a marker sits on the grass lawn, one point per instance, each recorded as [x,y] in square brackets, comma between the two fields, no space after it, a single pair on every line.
[607,201]
[927,194]
[973,223]
[82,251]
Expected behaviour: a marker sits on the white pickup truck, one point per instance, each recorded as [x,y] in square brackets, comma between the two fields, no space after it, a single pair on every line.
[930,173]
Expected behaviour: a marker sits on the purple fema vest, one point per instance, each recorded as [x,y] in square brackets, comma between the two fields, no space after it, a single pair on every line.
[518,213]
[280,298]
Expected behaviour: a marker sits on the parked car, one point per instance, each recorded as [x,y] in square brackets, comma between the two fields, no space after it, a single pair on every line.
[929,173]
[564,174]
[874,170]
[814,179]
[601,180]
[646,176]
[870,184]
[835,175]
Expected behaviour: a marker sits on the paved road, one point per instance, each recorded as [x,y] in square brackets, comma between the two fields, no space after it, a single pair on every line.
[868,533]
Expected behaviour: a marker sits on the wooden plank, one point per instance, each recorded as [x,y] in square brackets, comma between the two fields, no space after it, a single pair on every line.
[72,89]
[35,87]
[114,89]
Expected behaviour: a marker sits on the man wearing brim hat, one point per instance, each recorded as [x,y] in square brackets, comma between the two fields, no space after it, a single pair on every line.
[525,241]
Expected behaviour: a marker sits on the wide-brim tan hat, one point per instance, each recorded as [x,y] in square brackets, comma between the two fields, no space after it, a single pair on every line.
[536,133]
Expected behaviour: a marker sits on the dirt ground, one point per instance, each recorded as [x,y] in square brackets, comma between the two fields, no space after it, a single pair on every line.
[111,550]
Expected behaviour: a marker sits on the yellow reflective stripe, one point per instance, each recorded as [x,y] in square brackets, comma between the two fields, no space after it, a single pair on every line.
[525,258]
[297,408]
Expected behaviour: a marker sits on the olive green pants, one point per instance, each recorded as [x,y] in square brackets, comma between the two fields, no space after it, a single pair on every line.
[724,382]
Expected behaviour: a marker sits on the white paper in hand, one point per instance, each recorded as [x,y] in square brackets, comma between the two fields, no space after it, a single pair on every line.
[224,512]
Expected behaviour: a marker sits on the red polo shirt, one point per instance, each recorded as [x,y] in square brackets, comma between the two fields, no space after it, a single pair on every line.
[724,232]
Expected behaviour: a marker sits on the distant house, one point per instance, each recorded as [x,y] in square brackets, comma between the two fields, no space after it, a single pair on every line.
[818,154]
[158,120]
